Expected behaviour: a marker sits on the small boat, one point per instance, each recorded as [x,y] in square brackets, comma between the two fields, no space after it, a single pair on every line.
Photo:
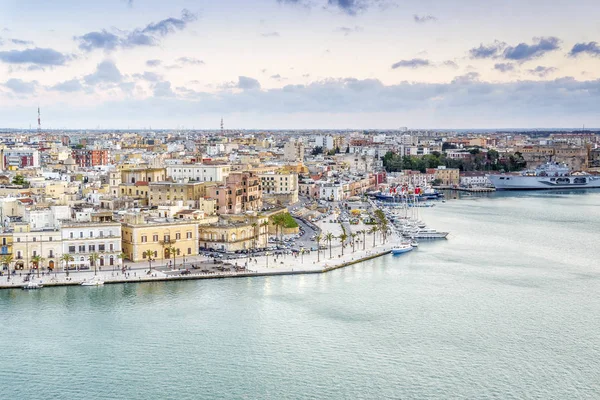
[93,282]
[32,286]
[403,248]
[414,243]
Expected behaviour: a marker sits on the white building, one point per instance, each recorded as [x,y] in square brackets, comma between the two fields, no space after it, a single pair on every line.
[198,172]
[331,191]
[19,157]
[82,239]
[471,179]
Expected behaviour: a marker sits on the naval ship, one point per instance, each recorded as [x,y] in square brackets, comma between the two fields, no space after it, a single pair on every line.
[551,175]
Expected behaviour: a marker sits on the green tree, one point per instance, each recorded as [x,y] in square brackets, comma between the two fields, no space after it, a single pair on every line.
[93,258]
[373,231]
[67,258]
[329,237]
[20,180]
[342,239]
[318,239]
[149,254]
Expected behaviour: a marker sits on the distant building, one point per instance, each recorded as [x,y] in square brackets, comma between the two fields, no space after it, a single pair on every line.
[447,176]
[293,151]
[90,158]
[20,157]
[474,178]
[198,172]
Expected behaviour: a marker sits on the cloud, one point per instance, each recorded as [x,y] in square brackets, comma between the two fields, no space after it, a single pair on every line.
[37,56]
[73,85]
[98,40]
[424,18]
[523,51]
[489,51]
[348,30]
[590,48]
[153,63]
[20,42]
[149,76]
[414,63]
[270,34]
[190,61]
[139,37]
[466,79]
[542,71]
[277,76]
[520,53]
[106,72]
[247,83]
[19,86]
[504,67]
[163,89]
[450,64]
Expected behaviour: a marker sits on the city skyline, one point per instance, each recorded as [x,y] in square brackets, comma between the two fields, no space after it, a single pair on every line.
[294,64]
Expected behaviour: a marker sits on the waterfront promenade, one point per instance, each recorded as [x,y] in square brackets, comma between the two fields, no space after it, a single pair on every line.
[307,263]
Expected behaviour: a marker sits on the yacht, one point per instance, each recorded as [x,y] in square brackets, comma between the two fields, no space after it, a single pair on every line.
[93,282]
[551,175]
[31,285]
[403,248]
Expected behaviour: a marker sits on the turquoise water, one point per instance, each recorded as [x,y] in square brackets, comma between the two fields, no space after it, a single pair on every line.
[507,308]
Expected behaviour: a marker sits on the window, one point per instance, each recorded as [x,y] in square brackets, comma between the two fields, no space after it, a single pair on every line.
[144,255]
[144,239]
[188,235]
[189,250]
[167,238]
[155,238]
[18,240]
[155,254]
[111,247]
[51,254]
[34,253]
[101,247]
[80,234]
[178,252]
[92,248]
[71,235]
[71,249]
[50,238]
[91,234]
[177,236]
[82,249]
[101,233]
[19,256]
[35,239]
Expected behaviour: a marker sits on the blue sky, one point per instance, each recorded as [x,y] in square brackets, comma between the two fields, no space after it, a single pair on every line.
[300,63]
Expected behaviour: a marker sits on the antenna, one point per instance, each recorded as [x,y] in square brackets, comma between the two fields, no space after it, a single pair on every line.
[222,126]
[39,121]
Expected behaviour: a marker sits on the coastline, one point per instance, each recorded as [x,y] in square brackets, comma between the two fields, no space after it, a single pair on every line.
[337,264]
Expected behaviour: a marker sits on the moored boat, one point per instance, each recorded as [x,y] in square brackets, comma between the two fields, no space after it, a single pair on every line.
[31,285]
[401,249]
[93,282]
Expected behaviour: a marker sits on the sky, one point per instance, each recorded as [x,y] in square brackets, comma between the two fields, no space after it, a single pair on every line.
[300,64]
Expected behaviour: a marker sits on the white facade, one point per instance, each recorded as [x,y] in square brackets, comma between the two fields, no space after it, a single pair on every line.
[198,172]
[331,191]
[82,239]
[474,180]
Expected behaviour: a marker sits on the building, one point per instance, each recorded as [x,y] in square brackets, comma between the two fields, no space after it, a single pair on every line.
[81,239]
[280,184]
[198,172]
[293,151]
[331,191]
[474,179]
[90,158]
[29,244]
[171,192]
[234,235]
[241,192]
[163,237]
[133,175]
[19,157]
[446,176]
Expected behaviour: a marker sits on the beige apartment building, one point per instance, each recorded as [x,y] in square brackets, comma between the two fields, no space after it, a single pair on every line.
[160,236]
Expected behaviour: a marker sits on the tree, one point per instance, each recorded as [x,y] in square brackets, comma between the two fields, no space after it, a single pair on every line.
[67,258]
[37,263]
[93,258]
[318,239]
[265,224]
[19,180]
[122,257]
[364,233]
[342,239]
[254,226]
[329,237]
[353,237]
[373,231]
[149,254]
[173,252]
[6,261]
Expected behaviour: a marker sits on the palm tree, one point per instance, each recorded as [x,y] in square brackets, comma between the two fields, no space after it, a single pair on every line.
[275,223]
[364,233]
[329,237]
[173,252]
[122,257]
[67,258]
[7,260]
[374,230]
[254,225]
[37,262]
[318,239]
[93,258]
[353,236]
[342,239]
[265,224]
[149,254]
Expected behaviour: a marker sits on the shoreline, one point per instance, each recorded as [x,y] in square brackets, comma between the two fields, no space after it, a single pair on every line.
[166,278]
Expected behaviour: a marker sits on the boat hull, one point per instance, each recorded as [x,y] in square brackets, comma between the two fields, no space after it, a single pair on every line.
[516,182]
[401,250]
